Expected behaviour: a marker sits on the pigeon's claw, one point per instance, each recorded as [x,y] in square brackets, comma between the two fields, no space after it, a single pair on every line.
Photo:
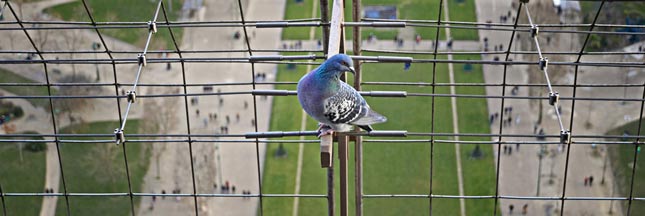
[324,130]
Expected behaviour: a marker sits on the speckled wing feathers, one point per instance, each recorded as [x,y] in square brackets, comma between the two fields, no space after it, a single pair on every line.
[347,106]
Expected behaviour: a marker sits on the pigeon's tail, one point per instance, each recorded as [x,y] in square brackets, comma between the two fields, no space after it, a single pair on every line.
[366,127]
[370,118]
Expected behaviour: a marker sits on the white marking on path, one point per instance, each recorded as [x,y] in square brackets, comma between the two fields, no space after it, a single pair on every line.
[455,120]
[301,149]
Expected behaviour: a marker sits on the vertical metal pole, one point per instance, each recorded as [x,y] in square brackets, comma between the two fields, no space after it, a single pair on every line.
[604,165]
[324,17]
[335,39]
[358,143]
[330,191]
[539,172]
[342,154]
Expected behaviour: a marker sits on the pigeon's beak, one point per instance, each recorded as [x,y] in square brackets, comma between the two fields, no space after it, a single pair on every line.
[351,69]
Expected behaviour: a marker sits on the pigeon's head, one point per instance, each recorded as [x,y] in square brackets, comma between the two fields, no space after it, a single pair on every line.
[340,63]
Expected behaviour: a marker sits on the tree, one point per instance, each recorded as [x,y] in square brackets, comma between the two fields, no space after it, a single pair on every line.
[162,120]
[100,162]
[70,105]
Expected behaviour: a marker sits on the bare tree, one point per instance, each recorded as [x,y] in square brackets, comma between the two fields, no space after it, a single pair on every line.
[100,162]
[42,37]
[164,117]
[73,40]
[162,120]
[72,105]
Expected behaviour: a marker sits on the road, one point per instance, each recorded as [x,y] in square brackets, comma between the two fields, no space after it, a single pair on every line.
[519,171]
[235,163]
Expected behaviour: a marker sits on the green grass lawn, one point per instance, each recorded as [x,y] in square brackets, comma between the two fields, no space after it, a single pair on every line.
[123,11]
[463,10]
[100,168]
[389,168]
[622,159]
[22,175]
[9,77]
[479,174]
[412,9]
[295,10]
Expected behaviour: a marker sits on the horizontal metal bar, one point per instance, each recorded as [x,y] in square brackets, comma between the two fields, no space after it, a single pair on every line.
[283,58]
[365,20]
[386,133]
[411,52]
[383,58]
[542,25]
[291,93]
[160,195]
[414,52]
[278,134]
[437,196]
[285,24]
[269,92]
[384,93]
[363,83]
[376,24]
[372,60]
[398,141]
[434,196]
[299,133]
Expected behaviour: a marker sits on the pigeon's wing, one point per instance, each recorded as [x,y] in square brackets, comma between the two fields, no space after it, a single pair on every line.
[371,117]
[347,106]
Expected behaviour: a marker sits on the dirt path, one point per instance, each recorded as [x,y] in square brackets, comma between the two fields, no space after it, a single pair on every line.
[519,170]
[217,163]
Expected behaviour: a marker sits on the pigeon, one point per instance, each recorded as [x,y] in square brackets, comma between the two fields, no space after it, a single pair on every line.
[332,102]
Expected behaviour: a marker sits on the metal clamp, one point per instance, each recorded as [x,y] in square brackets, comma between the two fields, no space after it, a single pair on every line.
[152,26]
[554,97]
[565,137]
[119,136]
[142,59]
[544,62]
[132,96]
[534,31]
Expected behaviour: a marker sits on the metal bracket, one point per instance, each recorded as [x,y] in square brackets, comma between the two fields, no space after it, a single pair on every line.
[565,137]
[544,62]
[119,136]
[152,26]
[535,30]
[132,96]
[142,59]
[554,97]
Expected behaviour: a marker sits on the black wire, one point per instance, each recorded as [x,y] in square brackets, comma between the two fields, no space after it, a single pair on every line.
[432,101]
[116,90]
[255,106]
[51,103]
[635,164]
[501,109]
[4,205]
[189,133]
[412,52]
[573,103]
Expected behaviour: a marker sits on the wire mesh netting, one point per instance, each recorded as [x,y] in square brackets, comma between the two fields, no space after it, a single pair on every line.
[189,107]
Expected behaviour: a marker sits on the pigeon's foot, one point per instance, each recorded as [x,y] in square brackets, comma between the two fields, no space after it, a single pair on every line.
[324,130]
